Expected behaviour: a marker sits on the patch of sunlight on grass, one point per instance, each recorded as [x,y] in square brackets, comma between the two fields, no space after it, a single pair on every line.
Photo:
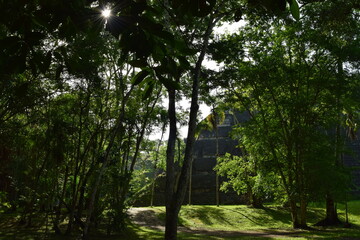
[137,232]
[272,218]
[267,223]
[235,218]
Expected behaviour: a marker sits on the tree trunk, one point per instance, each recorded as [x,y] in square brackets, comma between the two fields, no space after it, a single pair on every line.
[58,208]
[217,155]
[98,180]
[190,183]
[155,165]
[347,224]
[256,202]
[171,223]
[331,218]
[113,134]
[294,214]
[303,223]
[331,212]
[176,194]
[171,214]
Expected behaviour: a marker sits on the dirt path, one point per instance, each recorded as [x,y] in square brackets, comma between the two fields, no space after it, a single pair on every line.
[146,217]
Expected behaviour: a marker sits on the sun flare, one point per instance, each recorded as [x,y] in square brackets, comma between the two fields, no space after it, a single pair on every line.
[106,13]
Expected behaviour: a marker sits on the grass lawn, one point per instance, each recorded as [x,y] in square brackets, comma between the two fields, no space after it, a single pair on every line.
[268,220]
[210,223]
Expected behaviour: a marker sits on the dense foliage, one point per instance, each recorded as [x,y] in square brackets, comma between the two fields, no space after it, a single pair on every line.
[299,96]
[80,94]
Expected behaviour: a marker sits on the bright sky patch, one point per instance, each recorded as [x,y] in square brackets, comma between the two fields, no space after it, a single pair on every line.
[106,13]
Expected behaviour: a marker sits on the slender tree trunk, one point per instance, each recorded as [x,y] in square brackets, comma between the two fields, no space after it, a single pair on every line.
[303,207]
[152,190]
[294,213]
[114,133]
[331,211]
[347,224]
[255,201]
[171,213]
[99,178]
[155,165]
[175,195]
[77,166]
[81,202]
[190,183]
[217,155]
[58,209]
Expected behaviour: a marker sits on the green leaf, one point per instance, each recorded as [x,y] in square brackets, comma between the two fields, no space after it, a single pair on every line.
[148,90]
[34,38]
[58,56]
[184,63]
[167,36]
[238,15]
[181,46]
[116,25]
[295,10]
[139,77]
[158,53]
[150,26]
[169,84]
[171,66]
[139,63]
[47,61]
[59,70]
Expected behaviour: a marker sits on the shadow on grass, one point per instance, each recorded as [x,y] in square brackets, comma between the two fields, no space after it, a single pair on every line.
[238,211]
[11,229]
[277,214]
[333,233]
[265,216]
[207,215]
[134,231]
[137,232]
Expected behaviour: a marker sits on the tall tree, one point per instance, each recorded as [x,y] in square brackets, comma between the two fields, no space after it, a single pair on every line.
[198,37]
[63,44]
[334,27]
[288,86]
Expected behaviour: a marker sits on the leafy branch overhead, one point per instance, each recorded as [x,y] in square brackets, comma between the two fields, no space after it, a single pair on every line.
[277,6]
[82,96]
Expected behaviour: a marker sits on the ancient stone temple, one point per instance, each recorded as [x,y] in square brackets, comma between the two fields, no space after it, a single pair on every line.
[202,186]
[352,162]
[203,178]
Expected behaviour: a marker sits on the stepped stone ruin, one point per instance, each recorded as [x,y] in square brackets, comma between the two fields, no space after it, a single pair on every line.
[202,187]
[352,161]
[203,184]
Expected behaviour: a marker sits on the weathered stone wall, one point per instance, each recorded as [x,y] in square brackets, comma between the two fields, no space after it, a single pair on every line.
[352,161]
[203,182]
[203,177]
[203,187]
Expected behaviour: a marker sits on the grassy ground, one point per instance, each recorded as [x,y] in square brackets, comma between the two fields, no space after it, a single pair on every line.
[241,217]
[270,220]
[211,223]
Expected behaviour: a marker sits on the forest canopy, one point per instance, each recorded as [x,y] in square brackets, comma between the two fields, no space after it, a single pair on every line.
[81,93]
